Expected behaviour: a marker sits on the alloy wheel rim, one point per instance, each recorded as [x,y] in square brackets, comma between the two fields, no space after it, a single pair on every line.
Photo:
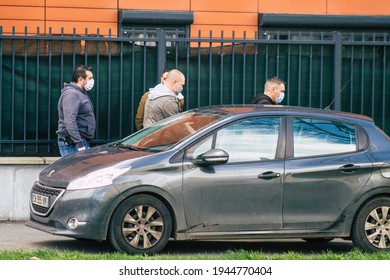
[142,227]
[377,227]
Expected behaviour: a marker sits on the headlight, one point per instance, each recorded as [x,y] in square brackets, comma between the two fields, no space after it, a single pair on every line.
[99,178]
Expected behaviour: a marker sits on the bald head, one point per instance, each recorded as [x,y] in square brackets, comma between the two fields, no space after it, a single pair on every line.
[175,81]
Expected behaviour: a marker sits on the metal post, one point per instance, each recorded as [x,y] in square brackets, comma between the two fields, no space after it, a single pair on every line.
[161,53]
[337,70]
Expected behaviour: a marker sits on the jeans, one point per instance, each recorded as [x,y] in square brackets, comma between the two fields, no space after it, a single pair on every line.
[67,150]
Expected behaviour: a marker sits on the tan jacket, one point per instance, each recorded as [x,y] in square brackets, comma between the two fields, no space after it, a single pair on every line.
[139,118]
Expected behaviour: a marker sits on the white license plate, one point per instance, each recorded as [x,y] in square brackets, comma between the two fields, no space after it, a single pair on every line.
[40,200]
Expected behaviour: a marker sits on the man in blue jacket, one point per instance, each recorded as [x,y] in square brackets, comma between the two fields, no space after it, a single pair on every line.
[76,119]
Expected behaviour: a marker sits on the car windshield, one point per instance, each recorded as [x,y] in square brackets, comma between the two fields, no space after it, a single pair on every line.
[165,134]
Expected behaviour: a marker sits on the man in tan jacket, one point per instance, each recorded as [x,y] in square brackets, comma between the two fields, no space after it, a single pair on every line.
[162,101]
[139,118]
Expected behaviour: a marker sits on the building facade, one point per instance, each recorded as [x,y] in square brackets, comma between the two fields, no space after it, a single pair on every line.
[201,16]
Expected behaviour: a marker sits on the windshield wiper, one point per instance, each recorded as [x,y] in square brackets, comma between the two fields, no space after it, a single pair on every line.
[128,147]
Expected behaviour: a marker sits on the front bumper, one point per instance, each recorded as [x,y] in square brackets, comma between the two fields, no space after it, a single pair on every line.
[91,207]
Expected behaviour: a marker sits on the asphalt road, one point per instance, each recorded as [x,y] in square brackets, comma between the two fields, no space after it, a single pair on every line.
[16,236]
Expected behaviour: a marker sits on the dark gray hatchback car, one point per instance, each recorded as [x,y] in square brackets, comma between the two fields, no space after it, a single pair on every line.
[225,172]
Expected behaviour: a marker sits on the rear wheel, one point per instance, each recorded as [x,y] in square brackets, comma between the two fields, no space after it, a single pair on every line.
[140,225]
[371,228]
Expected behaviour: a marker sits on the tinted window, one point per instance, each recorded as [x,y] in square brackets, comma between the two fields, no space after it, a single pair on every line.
[320,137]
[247,140]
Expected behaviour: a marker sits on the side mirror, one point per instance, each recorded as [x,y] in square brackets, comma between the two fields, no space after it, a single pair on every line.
[212,157]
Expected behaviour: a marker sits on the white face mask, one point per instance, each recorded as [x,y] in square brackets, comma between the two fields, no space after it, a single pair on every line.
[179,90]
[89,85]
[280,98]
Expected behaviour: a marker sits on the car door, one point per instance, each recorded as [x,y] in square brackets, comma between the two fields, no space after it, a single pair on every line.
[246,192]
[324,172]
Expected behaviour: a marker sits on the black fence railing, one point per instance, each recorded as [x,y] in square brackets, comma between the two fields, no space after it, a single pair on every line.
[349,73]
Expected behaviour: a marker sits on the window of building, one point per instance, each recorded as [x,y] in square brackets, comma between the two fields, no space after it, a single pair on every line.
[148,25]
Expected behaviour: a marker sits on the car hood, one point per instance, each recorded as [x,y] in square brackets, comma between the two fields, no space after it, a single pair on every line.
[76,165]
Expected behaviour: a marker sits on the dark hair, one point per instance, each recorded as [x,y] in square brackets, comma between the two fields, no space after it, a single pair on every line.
[80,71]
[276,80]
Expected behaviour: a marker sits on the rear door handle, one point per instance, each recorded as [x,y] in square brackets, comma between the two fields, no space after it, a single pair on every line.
[268,175]
[349,168]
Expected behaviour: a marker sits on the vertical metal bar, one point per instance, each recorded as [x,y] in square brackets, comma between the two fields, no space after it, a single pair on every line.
[221,75]
[321,71]
[255,90]
[177,50]
[233,68]
[288,70]
[210,66]
[13,63]
[62,56]
[49,42]
[310,74]
[266,61]
[121,134]
[299,73]
[25,79]
[351,97]
[97,83]
[337,69]
[109,87]
[37,72]
[277,55]
[86,42]
[1,88]
[188,46]
[161,53]
[383,87]
[373,81]
[362,82]
[74,48]
[132,82]
[244,70]
[199,66]
[145,67]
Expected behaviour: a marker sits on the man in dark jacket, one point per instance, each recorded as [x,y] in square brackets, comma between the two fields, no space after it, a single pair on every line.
[274,91]
[76,119]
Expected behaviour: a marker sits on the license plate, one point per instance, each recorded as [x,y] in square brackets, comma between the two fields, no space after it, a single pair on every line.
[40,200]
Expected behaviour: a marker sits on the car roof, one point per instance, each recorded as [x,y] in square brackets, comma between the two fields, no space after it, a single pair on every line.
[287,110]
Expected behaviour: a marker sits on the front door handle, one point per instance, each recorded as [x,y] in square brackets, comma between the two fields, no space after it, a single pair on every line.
[268,175]
[349,168]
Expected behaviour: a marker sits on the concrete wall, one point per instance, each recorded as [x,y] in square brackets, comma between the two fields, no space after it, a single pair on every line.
[17,176]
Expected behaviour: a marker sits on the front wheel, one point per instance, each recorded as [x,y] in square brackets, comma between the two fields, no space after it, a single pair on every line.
[371,227]
[140,225]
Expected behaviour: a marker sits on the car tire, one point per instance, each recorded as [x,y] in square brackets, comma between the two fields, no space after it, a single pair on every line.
[141,224]
[371,227]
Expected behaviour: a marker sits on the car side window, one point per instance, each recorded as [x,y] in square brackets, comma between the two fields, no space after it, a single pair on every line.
[314,137]
[247,140]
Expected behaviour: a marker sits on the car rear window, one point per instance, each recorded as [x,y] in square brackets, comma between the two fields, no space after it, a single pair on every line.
[321,137]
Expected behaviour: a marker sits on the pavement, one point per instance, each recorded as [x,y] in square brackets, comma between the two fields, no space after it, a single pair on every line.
[17,236]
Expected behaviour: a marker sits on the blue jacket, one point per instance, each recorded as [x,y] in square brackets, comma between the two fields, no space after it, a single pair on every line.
[75,115]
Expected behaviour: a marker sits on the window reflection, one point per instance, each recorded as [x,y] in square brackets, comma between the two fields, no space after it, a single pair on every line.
[247,140]
[320,137]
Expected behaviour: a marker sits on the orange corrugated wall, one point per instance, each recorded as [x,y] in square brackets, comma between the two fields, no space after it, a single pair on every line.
[210,16]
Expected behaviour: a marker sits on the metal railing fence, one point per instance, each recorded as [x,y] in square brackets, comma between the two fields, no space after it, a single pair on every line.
[347,73]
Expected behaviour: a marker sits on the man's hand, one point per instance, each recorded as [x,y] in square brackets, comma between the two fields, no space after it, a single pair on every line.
[81,149]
